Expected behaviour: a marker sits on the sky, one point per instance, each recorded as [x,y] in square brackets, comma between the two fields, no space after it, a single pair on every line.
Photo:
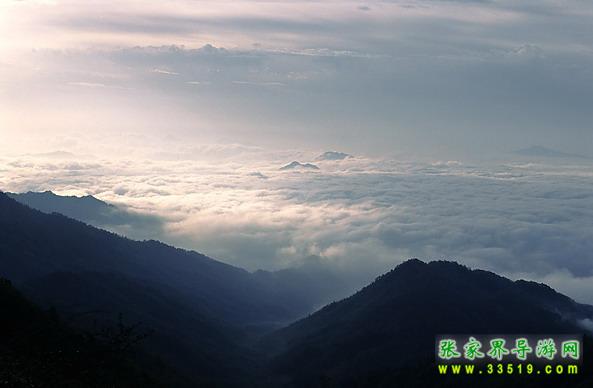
[186,110]
[448,78]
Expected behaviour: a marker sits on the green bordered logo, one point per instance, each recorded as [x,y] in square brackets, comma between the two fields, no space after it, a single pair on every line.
[509,354]
[497,348]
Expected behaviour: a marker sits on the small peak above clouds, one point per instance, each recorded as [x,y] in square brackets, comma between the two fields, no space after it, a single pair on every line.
[544,152]
[295,165]
[257,174]
[333,155]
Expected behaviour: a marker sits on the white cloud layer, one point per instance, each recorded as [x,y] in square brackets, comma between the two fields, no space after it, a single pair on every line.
[524,220]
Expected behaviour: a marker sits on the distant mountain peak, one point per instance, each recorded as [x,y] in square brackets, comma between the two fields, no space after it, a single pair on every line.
[415,265]
[298,165]
[50,193]
[333,155]
[410,264]
[49,202]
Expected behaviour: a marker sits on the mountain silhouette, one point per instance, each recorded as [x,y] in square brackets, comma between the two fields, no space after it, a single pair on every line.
[202,310]
[93,211]
[333,155]
[384,334]
[34,244]
[80,208]
[302,289]
[299,166]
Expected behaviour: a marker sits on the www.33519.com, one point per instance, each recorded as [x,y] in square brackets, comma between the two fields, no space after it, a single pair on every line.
[507,369]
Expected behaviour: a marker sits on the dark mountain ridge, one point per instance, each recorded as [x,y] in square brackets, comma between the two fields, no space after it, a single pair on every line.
[94,211]
[302,288]
[202,311]
[35,244]
[357,339]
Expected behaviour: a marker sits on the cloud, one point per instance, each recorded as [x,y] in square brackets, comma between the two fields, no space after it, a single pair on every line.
[586,324]
[166,72]
[425,77]
[506,95]
[364,215]
[87,84]
[251,83]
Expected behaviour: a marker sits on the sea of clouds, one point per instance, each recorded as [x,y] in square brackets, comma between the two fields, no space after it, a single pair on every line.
[520,219]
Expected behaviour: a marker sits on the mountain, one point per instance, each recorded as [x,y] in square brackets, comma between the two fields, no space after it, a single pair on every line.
[87,208]
[305,288]
[34,244]
[39,350]
[182,332]
[309,286]
[333,155]
[299,166]
[543,152]
[384,334]
[202,311]
[93,211]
